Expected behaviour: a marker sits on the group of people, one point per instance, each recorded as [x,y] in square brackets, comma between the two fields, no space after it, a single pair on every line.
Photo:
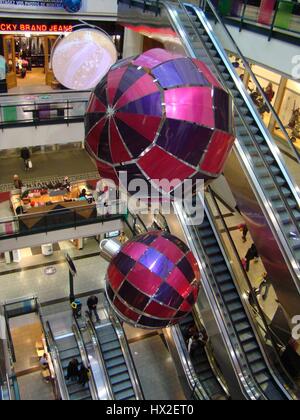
[92,304]
[77,372]
[196,339]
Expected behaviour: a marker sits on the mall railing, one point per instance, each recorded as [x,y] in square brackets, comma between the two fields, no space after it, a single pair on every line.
[34,114]
[58,219]
[275,18]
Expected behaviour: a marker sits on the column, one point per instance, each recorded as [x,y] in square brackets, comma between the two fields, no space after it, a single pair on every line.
[133,43]
[278,102]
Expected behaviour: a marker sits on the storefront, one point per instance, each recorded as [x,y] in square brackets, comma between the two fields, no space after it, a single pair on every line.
[27,46]
[285,99]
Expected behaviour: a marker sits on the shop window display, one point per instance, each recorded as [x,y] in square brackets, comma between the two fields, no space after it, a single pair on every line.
[290,111]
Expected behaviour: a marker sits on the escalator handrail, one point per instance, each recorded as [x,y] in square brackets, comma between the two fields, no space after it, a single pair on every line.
[286,249]
[94,335]
[85,358]
[287,378]
[209,353]
[254,78]
[127,356]
[223,319]
[57,364]
[222,247]
[187,365]
[244,93]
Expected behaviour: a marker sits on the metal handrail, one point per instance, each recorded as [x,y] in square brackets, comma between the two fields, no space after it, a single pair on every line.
[116,324]
[85,358]
[287,379]
[187,365]
[57,364]
[94,335]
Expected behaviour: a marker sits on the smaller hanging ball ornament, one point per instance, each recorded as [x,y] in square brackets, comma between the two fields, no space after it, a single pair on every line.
[153,282]
[72,6]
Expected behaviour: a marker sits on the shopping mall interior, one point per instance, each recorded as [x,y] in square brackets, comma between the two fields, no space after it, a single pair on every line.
[146,289]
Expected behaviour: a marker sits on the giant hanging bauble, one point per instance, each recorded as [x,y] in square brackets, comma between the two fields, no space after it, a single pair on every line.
[72,6]
[153,282]
[160,116]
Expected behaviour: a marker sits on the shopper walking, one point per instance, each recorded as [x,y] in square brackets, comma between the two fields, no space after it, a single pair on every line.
[73,370]
[92,304]
[250,256]
[265,284]
[25,155]
[244,229]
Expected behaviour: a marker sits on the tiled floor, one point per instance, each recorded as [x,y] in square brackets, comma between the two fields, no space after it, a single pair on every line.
[25,331]
[34,82]
[156,370]
[33,388]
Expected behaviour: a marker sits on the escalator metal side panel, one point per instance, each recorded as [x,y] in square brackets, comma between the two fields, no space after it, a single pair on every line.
[262,236]
[60,377]
[213,323]
[240,363]
[184,368]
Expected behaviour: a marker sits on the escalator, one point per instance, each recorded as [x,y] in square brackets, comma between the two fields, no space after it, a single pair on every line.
[259,156]
[256,148]
[68,349]
[117,359]
[250,363]
[202,366]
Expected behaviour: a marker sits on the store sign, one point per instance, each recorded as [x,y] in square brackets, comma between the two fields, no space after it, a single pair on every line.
[35,27]
[53,4]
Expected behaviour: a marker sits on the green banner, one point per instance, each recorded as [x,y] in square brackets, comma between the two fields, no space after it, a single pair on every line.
[284,14]
[9,113]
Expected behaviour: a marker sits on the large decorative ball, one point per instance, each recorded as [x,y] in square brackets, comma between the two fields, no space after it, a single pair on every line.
[154,281]
[72,6]
[160,116]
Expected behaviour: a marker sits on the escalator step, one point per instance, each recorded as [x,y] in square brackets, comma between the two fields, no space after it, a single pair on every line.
[242,326]
[113,345]
[125,395]
[221,67]
[118,370]
[224,278]
[250,347]
[80,395]
[254,356]
[111,354]
[216,259]
[122,386]
[262,378]
[225,288]
[239,317]
[246,336]
[117,361]
[212,250]
[258,367]
[235,306]
[120,378]
[231,297]
[219,269]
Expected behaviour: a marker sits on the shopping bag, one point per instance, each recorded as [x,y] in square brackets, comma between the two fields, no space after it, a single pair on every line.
[29,164]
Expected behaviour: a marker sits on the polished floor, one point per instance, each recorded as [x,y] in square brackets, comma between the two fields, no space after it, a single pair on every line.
[75,163]
[34,82]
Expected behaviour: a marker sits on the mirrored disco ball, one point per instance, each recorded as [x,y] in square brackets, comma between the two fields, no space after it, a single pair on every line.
[72,6]
[160,116]
[81,59]
[154,281]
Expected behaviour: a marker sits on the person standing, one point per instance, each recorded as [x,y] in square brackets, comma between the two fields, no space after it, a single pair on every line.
[25,155]
[92,303]
[72,370]
[244,229]
[17,182]
[83,376]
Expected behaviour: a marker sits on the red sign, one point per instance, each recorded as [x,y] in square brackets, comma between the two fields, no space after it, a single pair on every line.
[34,27]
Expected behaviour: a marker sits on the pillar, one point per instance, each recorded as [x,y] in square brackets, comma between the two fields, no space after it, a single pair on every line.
[278,102]
[133,43]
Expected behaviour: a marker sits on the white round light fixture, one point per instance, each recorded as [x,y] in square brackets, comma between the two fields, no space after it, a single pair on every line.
[83,58]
